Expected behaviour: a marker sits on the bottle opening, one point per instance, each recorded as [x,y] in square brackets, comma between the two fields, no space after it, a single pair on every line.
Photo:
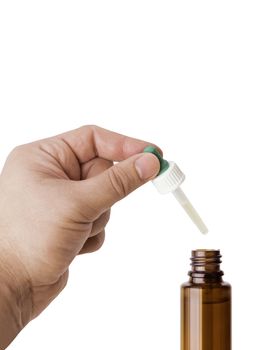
[206,264]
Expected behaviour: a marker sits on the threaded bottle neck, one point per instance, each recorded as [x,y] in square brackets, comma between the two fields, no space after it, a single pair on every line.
[206,266]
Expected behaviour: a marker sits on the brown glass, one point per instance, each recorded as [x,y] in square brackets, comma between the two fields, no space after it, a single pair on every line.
[206,305]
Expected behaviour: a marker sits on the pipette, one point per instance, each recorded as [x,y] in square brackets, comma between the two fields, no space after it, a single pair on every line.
[169,180]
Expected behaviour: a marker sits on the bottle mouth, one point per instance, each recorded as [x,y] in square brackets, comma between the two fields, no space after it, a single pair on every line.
[205,251]
[206,262]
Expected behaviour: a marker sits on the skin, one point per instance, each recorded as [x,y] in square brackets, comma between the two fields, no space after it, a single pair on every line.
[55,200]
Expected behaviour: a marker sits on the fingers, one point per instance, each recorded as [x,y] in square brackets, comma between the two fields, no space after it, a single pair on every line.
[91,141]
[97,235]
[100,223]
[102,191]
[93,243]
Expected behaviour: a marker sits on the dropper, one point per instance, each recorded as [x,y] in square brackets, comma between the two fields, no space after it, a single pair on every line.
[169,180]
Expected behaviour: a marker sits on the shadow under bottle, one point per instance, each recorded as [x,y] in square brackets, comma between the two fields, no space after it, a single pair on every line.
[206,305]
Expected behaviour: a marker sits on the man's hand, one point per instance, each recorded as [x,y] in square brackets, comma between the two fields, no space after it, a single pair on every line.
[55,200]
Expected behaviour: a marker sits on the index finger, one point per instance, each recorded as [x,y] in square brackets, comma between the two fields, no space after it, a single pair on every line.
[92,141]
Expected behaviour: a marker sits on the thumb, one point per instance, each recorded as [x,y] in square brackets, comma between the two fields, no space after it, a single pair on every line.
[115,183]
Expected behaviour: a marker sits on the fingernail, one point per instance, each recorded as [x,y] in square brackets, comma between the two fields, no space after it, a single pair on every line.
[147,166]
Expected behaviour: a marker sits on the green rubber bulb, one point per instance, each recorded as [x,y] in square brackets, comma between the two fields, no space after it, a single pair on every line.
[164,164]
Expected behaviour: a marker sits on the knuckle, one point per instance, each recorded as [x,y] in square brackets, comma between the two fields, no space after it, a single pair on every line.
[20,154]
[106,217]
[100,224]
[99,240]
[102,221]
[85,127]
[16,151]
[88,128]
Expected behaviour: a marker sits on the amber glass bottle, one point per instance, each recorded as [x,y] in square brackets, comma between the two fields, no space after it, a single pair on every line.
[206,305]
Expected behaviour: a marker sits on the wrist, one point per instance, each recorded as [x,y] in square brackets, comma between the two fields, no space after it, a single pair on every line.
[15,301]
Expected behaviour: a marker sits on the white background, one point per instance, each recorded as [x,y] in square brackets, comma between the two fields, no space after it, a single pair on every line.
[200,79]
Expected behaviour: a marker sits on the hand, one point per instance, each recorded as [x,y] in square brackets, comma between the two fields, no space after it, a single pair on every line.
[55,200]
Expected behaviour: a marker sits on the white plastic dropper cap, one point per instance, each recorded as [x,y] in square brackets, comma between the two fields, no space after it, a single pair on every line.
[169,180]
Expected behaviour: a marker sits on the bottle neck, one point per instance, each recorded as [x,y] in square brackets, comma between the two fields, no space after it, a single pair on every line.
[205,266]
